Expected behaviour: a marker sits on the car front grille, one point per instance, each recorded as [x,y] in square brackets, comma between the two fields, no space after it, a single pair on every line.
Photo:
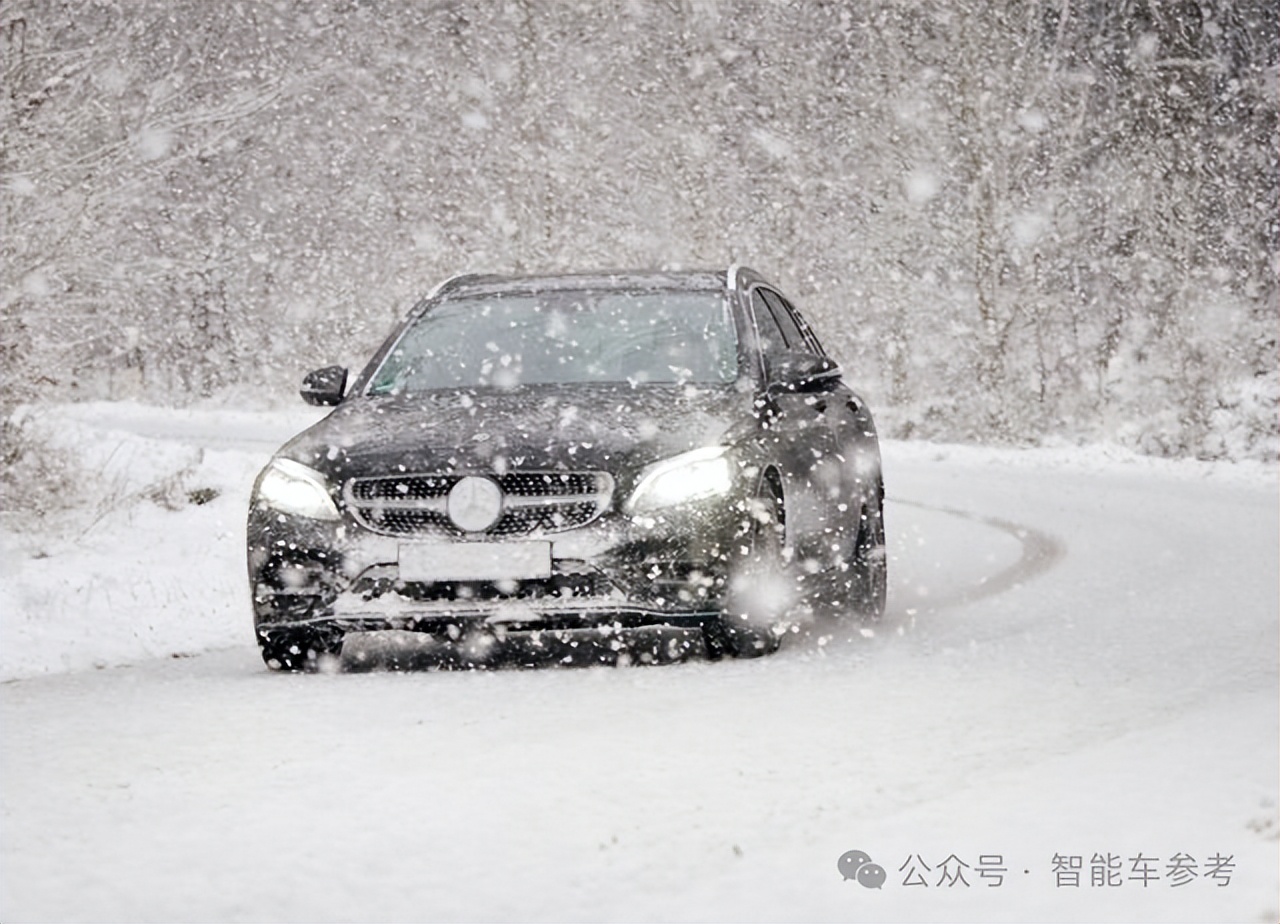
[533,502]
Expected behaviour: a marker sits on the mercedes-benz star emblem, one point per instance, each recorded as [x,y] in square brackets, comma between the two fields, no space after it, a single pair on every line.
[475,503]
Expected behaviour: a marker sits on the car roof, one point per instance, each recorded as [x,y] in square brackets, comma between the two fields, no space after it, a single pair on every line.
[668,280]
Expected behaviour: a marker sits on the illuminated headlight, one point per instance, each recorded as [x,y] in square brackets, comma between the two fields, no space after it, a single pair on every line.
[690,476]
[291,487]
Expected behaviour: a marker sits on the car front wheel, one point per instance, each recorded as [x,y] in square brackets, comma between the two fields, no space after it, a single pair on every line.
[759,594]
[299,649]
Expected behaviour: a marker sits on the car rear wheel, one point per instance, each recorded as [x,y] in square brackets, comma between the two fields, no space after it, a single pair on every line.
[756,601]
[869,570]
[297,650]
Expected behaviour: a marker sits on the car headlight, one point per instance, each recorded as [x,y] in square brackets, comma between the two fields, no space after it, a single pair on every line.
[690,476]
[291,487]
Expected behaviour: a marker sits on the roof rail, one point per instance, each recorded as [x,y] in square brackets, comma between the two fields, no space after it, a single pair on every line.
[457,281]
[744,276]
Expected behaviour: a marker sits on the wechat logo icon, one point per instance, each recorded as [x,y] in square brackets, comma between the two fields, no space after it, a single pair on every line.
[856,865]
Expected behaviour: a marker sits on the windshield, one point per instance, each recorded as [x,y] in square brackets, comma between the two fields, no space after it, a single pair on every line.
[564,337]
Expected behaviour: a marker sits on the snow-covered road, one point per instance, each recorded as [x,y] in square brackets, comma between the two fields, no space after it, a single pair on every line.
[1076,683]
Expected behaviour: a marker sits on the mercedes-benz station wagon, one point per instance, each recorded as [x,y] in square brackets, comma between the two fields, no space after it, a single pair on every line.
[569,454]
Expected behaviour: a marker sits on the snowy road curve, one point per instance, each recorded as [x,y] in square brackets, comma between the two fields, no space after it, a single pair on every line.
[1080,660]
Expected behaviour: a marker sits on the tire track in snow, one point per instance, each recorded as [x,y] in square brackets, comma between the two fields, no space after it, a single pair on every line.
[1040,552]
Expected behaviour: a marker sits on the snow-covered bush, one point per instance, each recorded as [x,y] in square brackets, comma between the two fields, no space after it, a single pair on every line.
[37,480]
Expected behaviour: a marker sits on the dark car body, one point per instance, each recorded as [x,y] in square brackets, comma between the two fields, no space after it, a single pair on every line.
[729,475]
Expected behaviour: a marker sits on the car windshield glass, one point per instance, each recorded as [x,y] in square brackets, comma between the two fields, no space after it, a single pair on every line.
[564,337]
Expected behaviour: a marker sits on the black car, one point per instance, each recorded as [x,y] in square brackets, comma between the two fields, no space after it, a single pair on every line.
[576,453]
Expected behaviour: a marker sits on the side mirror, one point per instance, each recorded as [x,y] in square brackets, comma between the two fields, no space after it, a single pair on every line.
[324,387]
[801,372]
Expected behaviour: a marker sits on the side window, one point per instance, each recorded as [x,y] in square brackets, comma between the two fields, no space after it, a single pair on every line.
[771,338]
[810,337]
[794,328]
[790,332]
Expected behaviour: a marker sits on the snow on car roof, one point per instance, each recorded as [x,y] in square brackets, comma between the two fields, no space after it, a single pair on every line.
[685,280]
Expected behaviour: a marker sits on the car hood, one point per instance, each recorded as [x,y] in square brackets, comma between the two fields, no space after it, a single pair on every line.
[614,428]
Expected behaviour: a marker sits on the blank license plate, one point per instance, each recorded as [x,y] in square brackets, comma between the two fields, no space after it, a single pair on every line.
[474,561]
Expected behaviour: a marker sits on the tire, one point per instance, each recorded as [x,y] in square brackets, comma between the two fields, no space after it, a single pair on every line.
[752,619]
[869,571]
[298,650]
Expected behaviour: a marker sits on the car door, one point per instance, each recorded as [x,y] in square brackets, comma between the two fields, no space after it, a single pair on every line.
[850,474]
[798,438]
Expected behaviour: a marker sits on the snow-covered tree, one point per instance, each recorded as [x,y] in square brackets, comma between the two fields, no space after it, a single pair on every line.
[1009,219]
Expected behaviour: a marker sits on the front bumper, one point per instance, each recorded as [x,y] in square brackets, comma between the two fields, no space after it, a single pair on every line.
[614,574]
